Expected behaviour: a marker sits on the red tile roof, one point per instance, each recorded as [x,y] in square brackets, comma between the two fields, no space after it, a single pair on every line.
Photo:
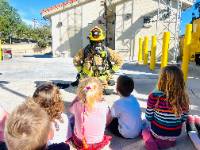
[56,7]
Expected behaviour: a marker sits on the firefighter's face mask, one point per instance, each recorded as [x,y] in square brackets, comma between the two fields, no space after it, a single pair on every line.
[97,46]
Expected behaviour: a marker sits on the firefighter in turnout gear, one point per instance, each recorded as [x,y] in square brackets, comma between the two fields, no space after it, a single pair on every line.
[97,60]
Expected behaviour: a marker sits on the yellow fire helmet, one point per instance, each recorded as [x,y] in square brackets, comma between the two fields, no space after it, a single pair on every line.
[96,34]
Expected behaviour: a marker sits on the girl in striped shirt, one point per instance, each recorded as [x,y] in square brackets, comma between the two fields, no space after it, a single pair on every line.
[167,109]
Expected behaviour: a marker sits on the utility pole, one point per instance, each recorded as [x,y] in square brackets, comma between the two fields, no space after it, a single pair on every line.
[34,22]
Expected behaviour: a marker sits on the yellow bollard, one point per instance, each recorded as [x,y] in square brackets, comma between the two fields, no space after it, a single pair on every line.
[145,50]
[153,53]
[1,52]
[140,58]
[165,47]
[193,45]
[186,51]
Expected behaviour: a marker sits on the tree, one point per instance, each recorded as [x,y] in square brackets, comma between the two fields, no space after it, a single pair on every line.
[9,19]
[42,35]
[11,24]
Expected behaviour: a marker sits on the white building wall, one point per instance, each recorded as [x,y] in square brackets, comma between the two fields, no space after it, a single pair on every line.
[76,24]
[123,32]
[67,36]
[92,13]
[129,28]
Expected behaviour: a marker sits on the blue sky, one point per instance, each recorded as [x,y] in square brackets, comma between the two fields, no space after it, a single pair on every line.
[30,9]
[187,17]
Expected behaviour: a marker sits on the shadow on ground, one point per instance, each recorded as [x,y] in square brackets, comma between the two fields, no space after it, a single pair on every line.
[138,71]
[62,84]
[138,67]
[118,143]
[47,55]
[4,82]
[67,106]
[38,83]
[3,86]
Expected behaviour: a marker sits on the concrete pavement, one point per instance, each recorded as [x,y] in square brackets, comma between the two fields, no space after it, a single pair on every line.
[20,75]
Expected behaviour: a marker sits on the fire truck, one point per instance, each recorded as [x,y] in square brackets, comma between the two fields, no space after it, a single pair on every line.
[195,41]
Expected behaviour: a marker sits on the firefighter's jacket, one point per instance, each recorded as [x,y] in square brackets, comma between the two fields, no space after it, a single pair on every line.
[101,65]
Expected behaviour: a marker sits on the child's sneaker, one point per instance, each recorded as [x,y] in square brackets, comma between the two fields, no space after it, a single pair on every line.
[197,123]
[190,123]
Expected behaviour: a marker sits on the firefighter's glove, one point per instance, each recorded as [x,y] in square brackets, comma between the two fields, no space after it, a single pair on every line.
[79,68]
[115,68]
[111,71]
[103,54]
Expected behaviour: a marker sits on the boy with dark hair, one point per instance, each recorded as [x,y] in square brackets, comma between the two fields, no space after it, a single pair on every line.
[125,111]
[125,85]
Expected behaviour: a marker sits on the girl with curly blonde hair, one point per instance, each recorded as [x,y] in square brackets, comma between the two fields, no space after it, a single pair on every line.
[49,97]
[90,113]
[167,109]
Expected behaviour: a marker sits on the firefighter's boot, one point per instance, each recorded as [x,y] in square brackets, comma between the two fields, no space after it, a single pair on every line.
[111,82]
[108,91]
[75,83]
[62,85]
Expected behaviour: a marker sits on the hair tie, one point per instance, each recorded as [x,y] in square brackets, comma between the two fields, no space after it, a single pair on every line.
[87,88]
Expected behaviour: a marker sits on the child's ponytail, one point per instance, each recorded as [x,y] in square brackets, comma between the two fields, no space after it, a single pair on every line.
[84,142]
[90,90]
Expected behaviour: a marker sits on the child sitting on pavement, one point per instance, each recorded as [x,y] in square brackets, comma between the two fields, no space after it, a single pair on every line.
[48,97]
[167,109]
[125,111]
[90,113]
[28,128]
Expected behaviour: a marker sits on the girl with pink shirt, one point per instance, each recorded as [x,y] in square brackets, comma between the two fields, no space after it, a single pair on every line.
[90,113]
